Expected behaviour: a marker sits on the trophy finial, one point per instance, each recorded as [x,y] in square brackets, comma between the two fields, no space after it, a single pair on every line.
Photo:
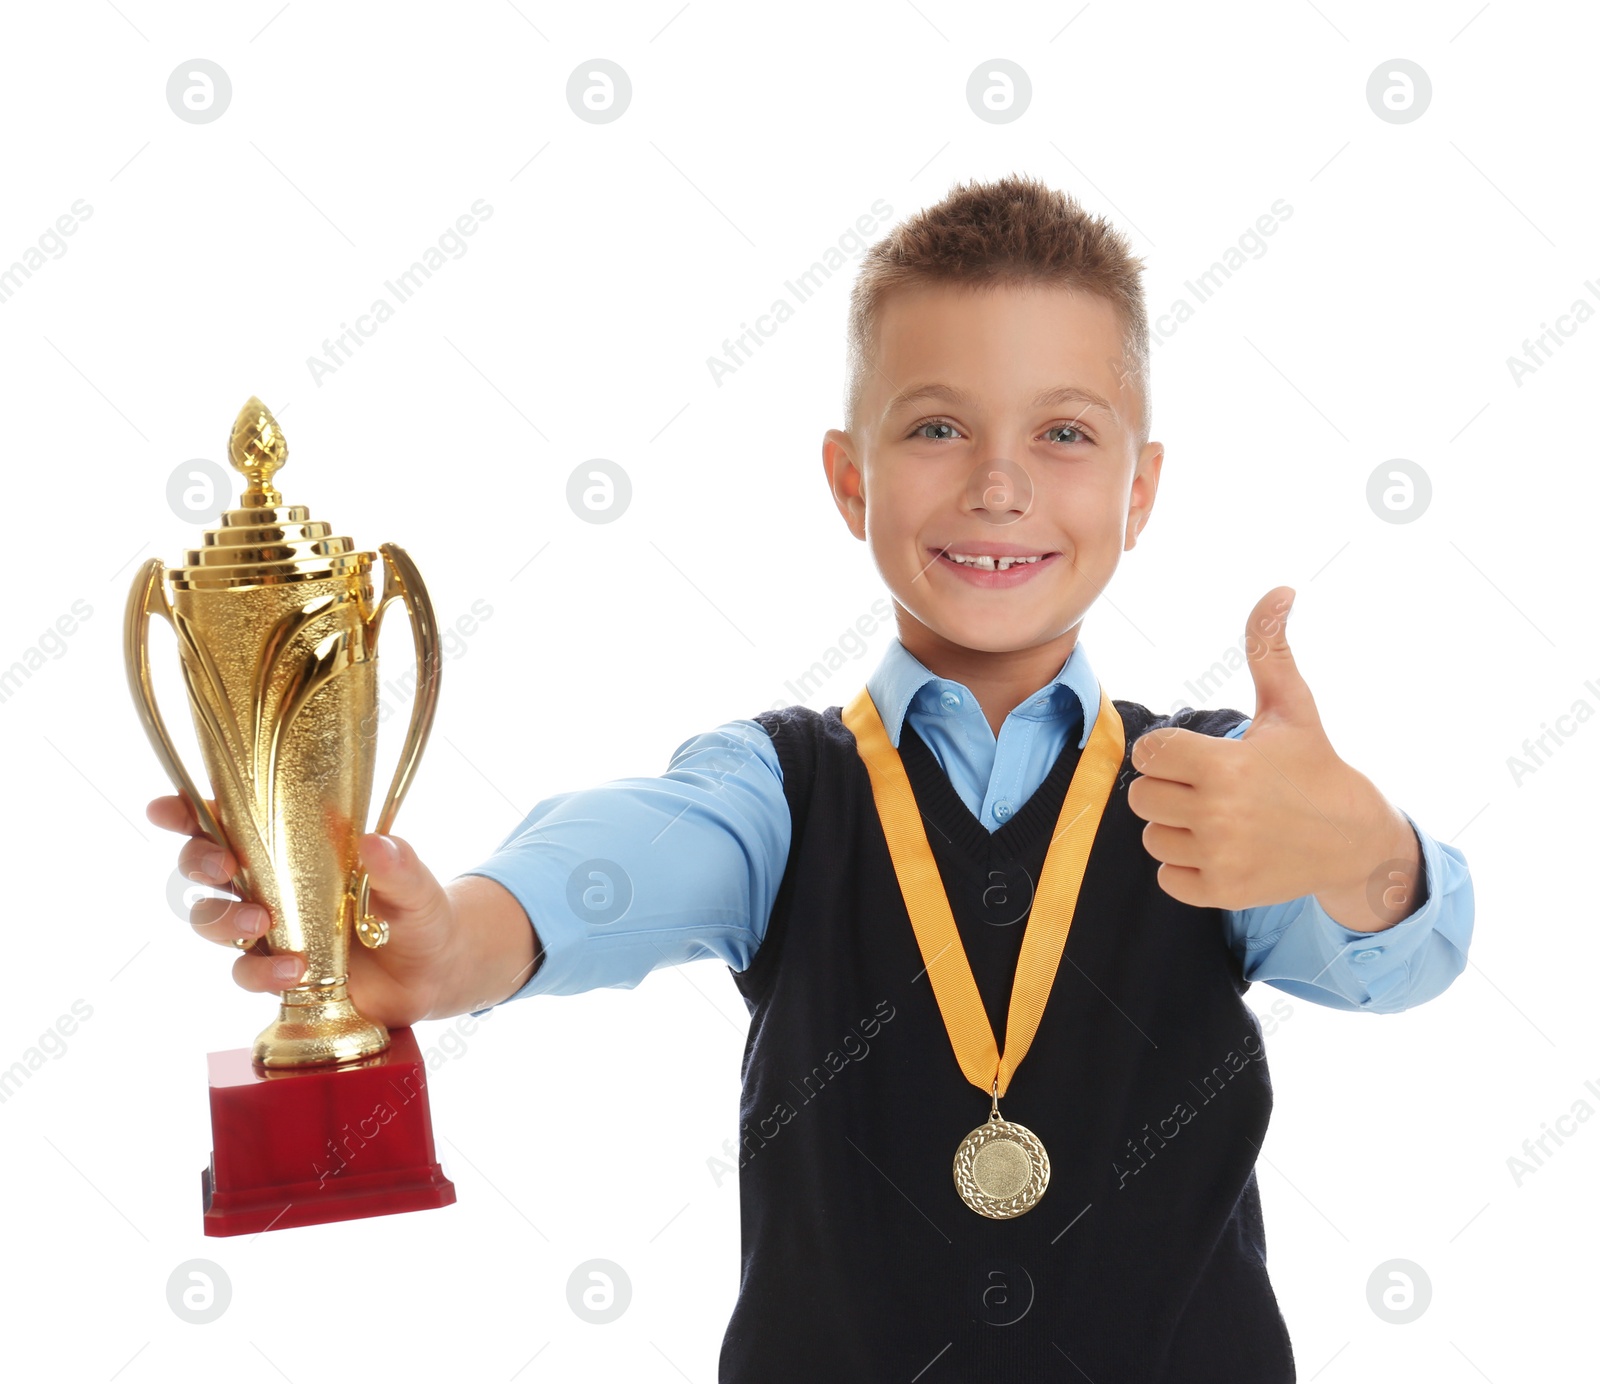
[257,448]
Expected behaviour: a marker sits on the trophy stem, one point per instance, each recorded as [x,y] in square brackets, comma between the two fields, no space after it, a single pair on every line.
[317,1024]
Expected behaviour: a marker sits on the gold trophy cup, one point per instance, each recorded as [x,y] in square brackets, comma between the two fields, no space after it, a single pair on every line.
[278,638]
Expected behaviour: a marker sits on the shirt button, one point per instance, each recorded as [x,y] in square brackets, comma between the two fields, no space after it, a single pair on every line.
[950,700]
[1002,809]
[1369,954]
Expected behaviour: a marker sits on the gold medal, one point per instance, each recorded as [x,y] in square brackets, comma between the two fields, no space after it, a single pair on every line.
[1000,1168]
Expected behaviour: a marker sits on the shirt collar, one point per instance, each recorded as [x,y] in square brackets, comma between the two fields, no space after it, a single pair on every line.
[901,683]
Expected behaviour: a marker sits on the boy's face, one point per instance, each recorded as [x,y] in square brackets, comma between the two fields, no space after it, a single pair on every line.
[1000,421]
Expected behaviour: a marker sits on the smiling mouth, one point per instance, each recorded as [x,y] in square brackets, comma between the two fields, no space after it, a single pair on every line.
[989,561]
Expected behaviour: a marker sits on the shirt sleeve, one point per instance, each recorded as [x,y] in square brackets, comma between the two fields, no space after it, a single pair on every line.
[1300,948]
[637,873]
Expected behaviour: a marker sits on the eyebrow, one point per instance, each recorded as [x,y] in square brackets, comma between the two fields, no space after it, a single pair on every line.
[1065,394]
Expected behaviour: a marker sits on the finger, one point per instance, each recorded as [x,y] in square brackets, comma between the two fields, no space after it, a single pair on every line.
[1164,801]
[405,892]
[1279,685]
[222,920]
[172,813]
[1172,846]
[1185,884]
[268,974]
[201,859]
[1181,756]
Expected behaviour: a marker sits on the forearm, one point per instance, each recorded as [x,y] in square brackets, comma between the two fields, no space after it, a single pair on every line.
[493,952]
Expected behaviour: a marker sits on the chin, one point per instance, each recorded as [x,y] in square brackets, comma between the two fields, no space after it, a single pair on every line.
[988,634]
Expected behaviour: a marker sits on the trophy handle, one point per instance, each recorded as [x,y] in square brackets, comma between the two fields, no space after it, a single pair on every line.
[401,579]
[149,597]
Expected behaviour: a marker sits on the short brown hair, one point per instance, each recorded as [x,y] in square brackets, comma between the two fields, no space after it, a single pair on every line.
[1014,230]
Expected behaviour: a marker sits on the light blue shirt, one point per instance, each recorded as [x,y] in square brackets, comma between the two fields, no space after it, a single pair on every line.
[643,872]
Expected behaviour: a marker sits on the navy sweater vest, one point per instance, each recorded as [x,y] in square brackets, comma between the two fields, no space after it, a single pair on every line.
[1144,1261]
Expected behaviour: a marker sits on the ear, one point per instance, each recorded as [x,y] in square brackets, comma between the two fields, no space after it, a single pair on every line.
[845,479]
[1142,495]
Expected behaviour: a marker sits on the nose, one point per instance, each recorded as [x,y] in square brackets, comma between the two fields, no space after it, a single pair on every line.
[999,491]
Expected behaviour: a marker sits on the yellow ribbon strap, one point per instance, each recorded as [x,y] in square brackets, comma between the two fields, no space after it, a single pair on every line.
[1049,918]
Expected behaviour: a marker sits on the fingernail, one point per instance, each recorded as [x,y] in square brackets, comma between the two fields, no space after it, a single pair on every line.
[211,864]
[288,967]
[386,849]
[252,919]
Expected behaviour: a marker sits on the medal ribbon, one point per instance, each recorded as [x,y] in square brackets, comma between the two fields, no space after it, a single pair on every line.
[1055,899]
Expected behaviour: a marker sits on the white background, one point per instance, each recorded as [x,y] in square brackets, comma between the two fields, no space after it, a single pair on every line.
[218,258]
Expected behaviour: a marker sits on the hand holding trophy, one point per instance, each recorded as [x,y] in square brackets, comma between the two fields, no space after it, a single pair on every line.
[325,1117]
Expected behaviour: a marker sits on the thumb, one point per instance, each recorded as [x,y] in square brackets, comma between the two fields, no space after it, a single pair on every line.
[404,890]
[1280,690]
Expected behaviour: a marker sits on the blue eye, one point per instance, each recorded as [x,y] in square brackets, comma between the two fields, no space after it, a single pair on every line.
[922,430]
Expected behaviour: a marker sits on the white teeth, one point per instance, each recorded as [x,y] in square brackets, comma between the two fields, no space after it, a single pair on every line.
[986,563]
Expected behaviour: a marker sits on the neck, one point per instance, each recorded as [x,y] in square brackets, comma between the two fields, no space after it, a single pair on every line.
[1002,679]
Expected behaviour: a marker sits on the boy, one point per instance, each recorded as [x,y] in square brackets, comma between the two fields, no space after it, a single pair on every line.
[905,893]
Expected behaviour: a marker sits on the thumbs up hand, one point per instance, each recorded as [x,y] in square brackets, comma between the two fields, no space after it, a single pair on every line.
[1275,814]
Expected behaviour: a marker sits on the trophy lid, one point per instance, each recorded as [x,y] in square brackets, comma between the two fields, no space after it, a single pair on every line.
[264,541]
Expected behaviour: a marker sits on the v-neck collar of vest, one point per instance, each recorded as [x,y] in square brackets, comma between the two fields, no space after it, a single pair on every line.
[944,810]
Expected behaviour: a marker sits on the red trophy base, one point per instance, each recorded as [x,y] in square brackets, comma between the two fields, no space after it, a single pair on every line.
[307,1145]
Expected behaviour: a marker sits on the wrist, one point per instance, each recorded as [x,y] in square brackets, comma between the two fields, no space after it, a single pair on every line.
[490,948]
[1380,878]
[442,1000]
